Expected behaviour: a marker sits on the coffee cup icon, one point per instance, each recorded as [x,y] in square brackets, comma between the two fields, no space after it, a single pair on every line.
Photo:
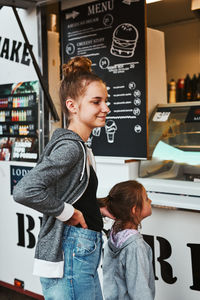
[110,128]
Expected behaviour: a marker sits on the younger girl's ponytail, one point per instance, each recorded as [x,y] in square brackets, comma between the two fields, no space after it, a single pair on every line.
[104,202]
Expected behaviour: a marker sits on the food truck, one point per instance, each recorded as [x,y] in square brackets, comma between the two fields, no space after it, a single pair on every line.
[161,151]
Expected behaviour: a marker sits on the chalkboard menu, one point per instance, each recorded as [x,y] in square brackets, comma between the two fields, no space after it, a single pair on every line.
[112,35]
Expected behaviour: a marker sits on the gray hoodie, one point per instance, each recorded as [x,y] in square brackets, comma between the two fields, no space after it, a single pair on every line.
[127,268]
[58,180]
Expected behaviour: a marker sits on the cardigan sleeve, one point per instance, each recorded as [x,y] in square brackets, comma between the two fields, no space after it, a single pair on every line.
[35,188]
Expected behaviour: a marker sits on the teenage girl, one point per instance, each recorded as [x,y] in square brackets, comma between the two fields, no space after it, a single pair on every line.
[63,187]
[127,265]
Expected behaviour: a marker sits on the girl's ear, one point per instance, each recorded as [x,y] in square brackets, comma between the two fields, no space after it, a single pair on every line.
[71,105]
[133,209]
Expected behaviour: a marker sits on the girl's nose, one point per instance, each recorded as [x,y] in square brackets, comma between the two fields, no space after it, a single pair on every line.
[105,108]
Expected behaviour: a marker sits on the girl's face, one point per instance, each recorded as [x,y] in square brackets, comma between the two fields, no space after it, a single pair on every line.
[91,108]
[146,210]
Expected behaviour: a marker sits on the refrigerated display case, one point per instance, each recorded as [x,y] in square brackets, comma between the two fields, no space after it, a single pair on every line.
[174,147]
[19,122]
[174,143]
[171,178]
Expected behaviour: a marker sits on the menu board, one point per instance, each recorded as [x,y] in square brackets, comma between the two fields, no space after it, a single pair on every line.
[112,35]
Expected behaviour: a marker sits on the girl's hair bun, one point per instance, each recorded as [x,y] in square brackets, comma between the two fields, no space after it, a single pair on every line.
[79,64]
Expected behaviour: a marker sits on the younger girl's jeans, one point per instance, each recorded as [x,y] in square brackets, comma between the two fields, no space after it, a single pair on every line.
[82,251]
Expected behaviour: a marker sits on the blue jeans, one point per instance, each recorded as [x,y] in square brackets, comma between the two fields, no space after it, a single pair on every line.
[82,252]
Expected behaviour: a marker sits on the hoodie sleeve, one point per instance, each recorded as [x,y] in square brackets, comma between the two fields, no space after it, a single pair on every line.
[139,273]
[36,190]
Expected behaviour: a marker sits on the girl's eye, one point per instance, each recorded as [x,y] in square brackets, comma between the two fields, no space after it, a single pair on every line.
[96,102]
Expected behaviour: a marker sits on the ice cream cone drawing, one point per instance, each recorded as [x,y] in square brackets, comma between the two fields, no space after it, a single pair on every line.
[110,128]
[96,131]
[124,41]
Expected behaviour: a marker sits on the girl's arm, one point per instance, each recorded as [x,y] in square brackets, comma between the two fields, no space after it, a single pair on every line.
[103,208]
[36,188]
[105,213]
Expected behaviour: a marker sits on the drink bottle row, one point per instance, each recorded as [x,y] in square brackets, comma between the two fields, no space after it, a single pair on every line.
[185,89]
[16,115]
[17,101]
[16,129]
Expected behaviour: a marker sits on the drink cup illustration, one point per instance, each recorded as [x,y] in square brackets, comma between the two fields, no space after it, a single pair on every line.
[110,128]
[124,41]
[96,131]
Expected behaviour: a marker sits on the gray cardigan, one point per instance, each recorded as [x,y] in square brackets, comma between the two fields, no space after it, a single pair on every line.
[128,270]
[60,176]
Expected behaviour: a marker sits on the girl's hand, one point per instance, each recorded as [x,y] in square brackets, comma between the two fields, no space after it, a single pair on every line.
[77,218]
[106,213]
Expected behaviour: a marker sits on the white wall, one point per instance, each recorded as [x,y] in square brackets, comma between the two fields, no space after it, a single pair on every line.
[156,69]
[182,49]
[12,71]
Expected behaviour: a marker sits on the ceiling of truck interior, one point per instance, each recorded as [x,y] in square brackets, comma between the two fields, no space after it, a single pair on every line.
[158,14]
[25,3]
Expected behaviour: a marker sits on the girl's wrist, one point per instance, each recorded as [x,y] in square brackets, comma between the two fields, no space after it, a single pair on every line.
[67,212]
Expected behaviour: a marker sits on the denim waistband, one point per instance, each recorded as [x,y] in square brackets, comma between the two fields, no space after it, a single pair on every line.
[81,232]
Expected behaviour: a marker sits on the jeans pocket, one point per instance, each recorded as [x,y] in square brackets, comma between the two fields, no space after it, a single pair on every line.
[84,247]
[48,282]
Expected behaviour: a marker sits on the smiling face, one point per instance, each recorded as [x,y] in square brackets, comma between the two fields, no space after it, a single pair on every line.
[89,110]
[93,108]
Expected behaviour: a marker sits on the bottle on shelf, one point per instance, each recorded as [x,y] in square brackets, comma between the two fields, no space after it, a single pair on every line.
[172,91]
[188,88]
[180,90]
[194,87]
[197,92]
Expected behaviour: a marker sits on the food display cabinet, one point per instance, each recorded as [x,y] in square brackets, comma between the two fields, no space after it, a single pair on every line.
[174,148]
[174,143]
[171,177]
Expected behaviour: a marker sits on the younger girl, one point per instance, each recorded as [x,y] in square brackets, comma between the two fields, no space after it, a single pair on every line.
[127,266]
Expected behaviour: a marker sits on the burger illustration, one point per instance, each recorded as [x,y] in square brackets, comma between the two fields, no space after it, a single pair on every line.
[124,41]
